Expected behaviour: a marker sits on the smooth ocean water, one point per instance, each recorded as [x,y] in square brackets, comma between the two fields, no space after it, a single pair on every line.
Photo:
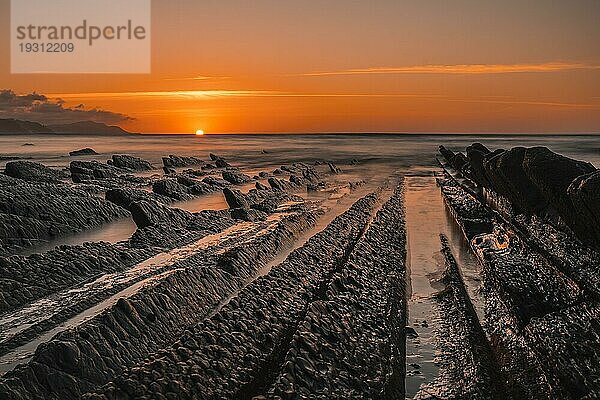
[247,150]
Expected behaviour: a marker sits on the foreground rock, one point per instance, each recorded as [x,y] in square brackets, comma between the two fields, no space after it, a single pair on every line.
[124,197]
[351,341]
[236,177]
[584,193]
[79,360]
[31,212]
[532,309]
[146,213]
[130,162]
[32,172]
[42,274]
[83,152]
[468,366]
[236,352]
[219,161]
[184,187]
[256,203]
[537,181]
[174,161]
[103,176]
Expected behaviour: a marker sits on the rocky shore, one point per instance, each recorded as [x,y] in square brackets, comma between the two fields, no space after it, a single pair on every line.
[302,282]
[537,181]
[539,276]
[240,350]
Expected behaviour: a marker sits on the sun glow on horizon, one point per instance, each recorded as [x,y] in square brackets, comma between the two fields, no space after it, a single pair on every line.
[199,132]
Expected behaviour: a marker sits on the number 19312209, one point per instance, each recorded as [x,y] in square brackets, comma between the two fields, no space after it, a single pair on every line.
[47,47]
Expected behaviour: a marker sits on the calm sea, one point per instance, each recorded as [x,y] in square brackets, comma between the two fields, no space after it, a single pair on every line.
[262,150]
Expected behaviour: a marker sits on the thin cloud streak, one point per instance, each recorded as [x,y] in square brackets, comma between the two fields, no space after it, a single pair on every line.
[181,94]
[465,69]
[198,78]
[216,94]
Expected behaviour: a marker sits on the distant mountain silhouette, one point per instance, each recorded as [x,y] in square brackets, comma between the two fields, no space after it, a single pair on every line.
[8,126]
[89,127]
[15,126]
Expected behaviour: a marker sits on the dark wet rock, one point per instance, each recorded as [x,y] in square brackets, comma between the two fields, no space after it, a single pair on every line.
[535,181]
[334,168]
[104,174]
[525,275]
[246,214]
[522,287]
[457,160]
[566,342]
[124,197]
[584,192]
[280,184]
[18,231]
[130,162]
[264,174]
[9,180]
[297,180]
[174,161]
[350,342]
[468,366]
[148,213]
[83,152]
[219,161]
[446,153]
[169,171]
[89,167]
[140,325]
[28,144]
[301,174]
[508,178]
[32,171]
[552,174]
[562,248]
[475,169]
[211,180]
[208,167]
[269,201]
[90,171]
[410,332]
[277,171]
[173,232]
[235,199]
[229,354]
[261,186]
[172,188]
[43,274]
[356,184]
[196,187]
[236,177]
[195,172]
[26,220]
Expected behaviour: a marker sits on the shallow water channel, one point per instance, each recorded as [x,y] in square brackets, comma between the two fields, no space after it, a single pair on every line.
[427,217]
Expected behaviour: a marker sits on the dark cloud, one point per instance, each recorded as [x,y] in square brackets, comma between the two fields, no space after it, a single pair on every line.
[39,108]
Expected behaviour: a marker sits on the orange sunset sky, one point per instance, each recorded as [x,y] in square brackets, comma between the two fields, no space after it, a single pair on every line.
[351,66]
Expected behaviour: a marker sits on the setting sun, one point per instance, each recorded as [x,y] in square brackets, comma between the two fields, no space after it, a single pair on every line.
[199,132]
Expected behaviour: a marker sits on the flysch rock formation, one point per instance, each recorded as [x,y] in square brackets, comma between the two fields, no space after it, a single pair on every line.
[540,322]
[278,297]
[238,351]
[537,181]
